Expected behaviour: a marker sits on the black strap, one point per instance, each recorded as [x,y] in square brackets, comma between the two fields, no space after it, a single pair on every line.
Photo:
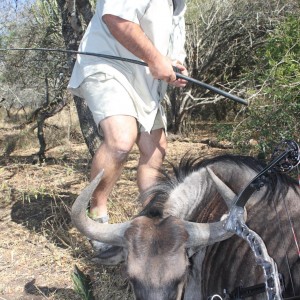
[245,292]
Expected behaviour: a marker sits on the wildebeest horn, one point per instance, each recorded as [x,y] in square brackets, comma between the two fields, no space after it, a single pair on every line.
[210,233]
[204,234]
[214,232]
[227,194]
[112,234]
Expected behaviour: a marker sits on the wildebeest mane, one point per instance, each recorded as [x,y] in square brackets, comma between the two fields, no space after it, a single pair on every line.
[277,183]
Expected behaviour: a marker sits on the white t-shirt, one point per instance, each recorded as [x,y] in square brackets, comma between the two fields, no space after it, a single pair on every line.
[164,26]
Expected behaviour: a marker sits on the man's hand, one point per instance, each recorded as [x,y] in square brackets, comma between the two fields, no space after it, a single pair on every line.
[161,68]
[182,70]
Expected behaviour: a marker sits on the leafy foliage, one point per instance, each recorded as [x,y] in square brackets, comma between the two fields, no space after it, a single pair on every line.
[274,113]
[34,81]
[39,25]
[82,284]
[222,38]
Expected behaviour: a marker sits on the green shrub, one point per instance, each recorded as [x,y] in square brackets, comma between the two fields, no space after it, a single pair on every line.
[274,112]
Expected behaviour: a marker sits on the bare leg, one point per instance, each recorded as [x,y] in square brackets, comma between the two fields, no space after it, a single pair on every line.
[120,134]
[152,148]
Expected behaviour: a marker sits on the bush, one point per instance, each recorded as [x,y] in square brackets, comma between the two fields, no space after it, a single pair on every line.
[274,112]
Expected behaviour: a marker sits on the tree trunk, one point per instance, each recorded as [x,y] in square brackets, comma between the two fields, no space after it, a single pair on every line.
[41,138]
[88,126]
[72,33]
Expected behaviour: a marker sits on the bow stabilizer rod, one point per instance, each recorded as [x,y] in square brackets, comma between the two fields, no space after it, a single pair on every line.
[137,62]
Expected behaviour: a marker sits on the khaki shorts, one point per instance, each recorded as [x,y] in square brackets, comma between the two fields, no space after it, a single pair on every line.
[106,97]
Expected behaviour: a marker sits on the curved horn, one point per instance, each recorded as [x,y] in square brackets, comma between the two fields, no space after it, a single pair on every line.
[107,233]
[227,194]
[204,234]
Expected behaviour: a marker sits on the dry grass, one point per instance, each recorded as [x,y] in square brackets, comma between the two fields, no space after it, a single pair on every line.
[39,247]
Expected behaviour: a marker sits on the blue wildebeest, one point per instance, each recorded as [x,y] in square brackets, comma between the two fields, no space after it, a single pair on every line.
[177,248]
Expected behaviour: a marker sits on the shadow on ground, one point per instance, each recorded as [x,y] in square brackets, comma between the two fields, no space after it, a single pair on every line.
[79,164]
[40,292]
[45,214]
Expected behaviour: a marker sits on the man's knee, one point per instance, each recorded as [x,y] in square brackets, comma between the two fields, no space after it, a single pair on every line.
[119,150]
[121,154]
[120,133]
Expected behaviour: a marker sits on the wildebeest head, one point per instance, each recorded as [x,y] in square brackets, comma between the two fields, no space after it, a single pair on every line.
[157,260]
[154,248]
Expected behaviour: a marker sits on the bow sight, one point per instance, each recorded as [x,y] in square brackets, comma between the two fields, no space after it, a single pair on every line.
[290,160]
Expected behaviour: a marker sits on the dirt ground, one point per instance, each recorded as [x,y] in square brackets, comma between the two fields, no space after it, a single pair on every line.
[39,247]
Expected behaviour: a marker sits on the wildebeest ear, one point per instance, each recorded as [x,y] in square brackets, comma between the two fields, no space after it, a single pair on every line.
[110,257]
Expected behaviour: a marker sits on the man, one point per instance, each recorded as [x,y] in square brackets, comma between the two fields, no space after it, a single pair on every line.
[124,97]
